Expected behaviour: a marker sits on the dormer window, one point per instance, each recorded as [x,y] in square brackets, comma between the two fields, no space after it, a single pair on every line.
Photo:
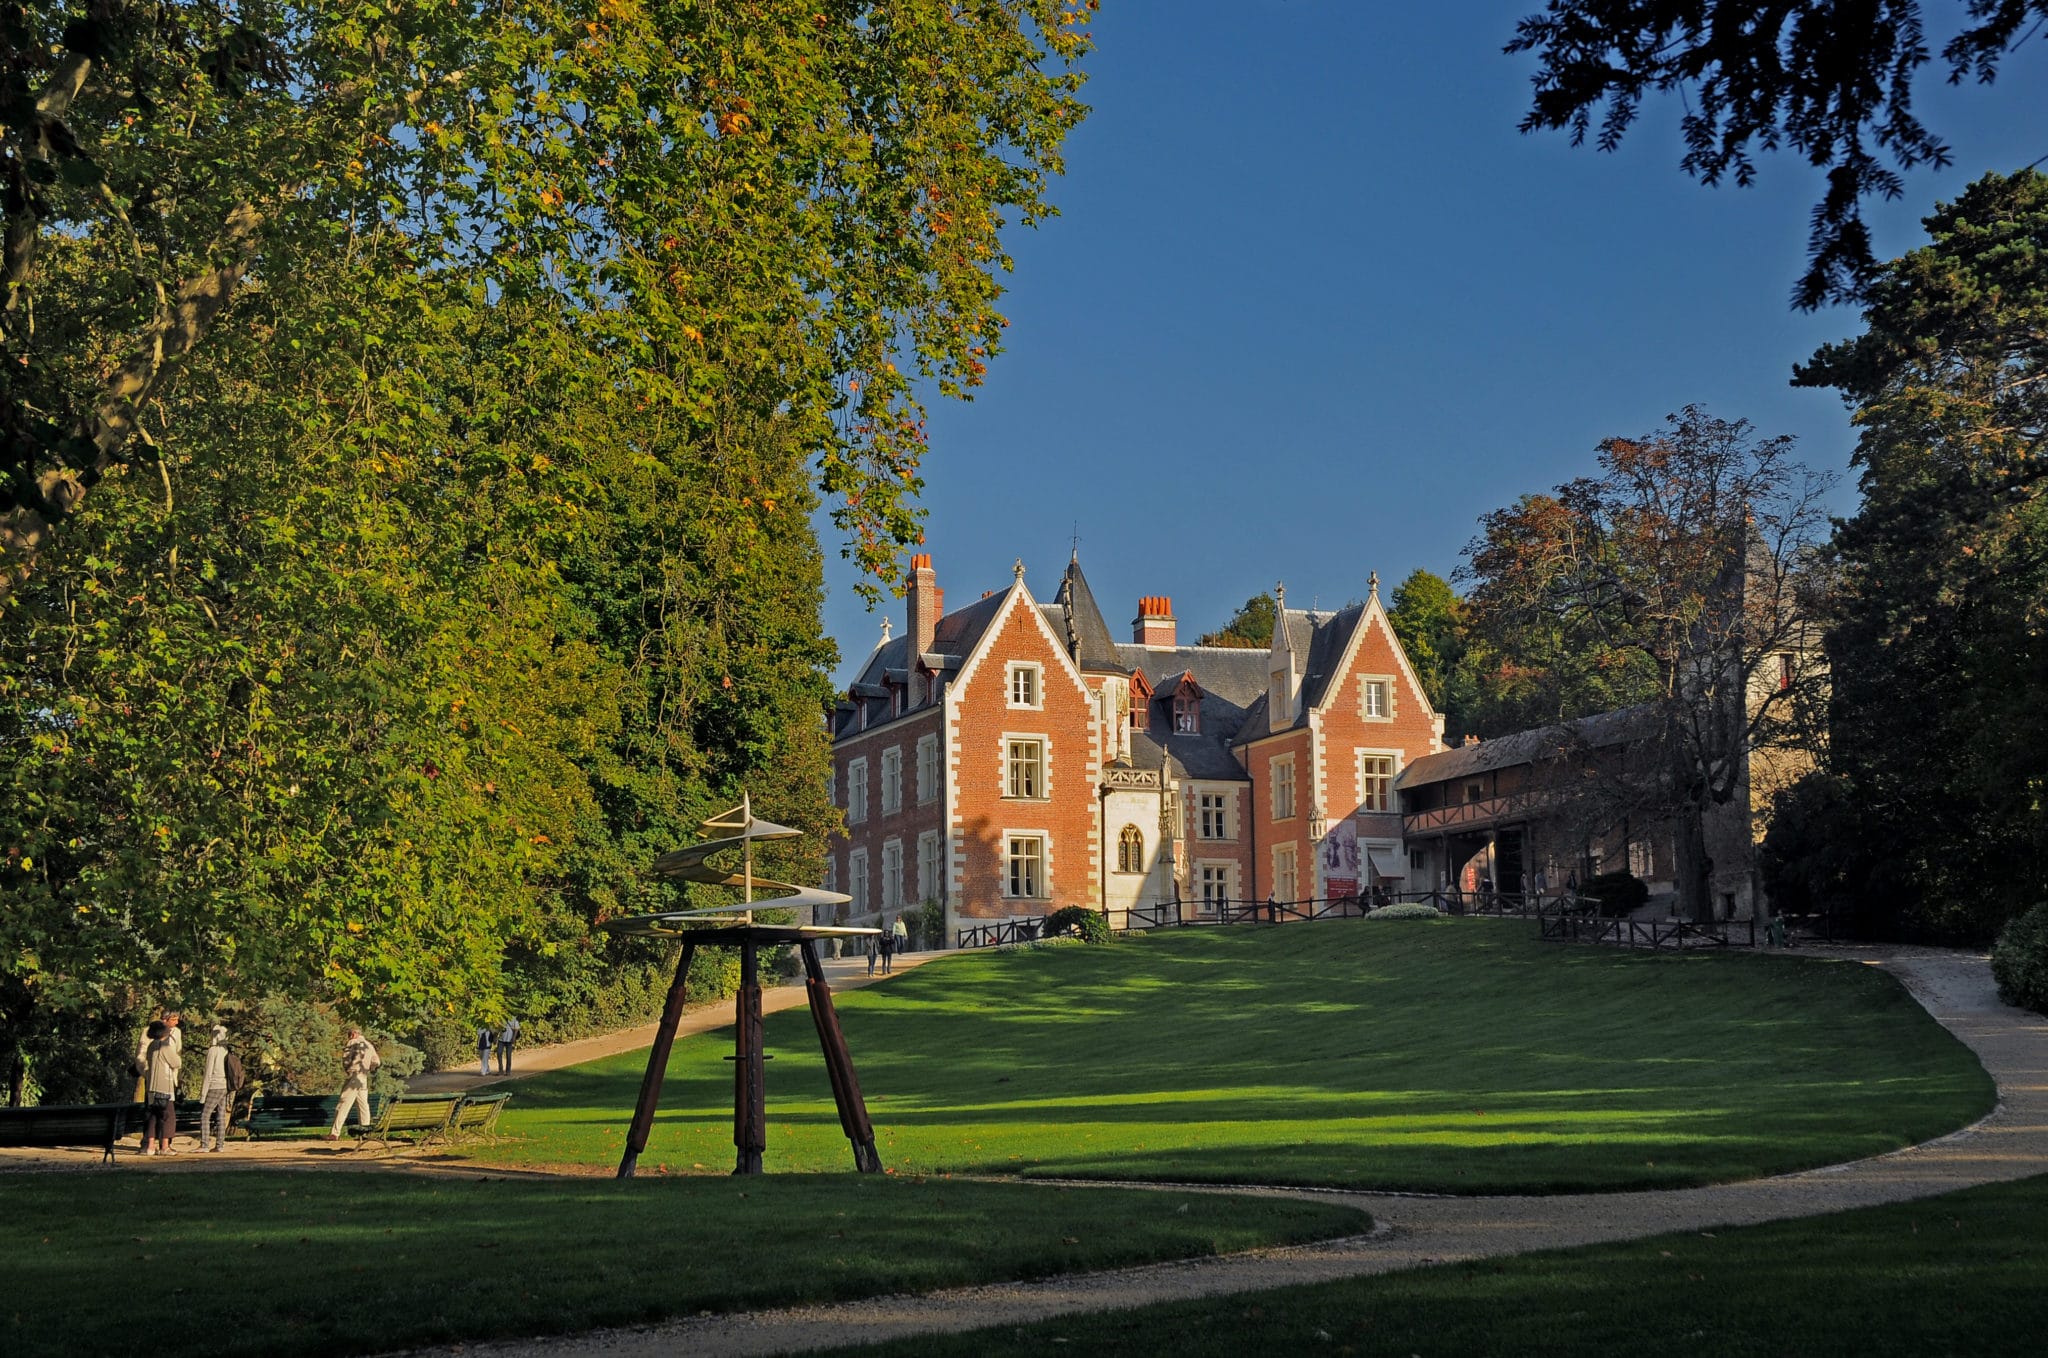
[1187,714]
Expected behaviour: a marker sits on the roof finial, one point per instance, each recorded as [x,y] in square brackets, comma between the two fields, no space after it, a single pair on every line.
[1018,570]
[1373,583]
[1077,541]
[885,631]
[1279,597]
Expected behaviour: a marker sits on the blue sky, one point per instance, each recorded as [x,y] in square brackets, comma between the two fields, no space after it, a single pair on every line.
[1313,305]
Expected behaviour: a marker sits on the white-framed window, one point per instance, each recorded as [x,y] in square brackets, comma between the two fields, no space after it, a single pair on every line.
[831,789]
[1215,815]
[1025,689]
[927,769]
[1283,787]
[1024,768]
[1642,859]
[892,874]
[1212,881]
[1024,876]
[1376,697]
[856,791]
[1285,879]
[1376,781]
[930,864]
[1130,850]
[892,780]
[857,881]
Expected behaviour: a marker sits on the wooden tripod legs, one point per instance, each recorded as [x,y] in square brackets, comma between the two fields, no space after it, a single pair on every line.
[853,1109]
[657,1066]
[749,1075]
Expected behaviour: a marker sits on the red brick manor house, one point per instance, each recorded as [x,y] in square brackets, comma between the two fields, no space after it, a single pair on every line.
[1011,757]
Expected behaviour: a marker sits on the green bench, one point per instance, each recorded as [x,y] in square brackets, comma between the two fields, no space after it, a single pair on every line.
[427,1115]
[71,1124]
[276,1115]
[477,1115]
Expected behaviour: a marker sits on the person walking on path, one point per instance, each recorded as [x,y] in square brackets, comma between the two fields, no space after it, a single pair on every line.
[217,1092]
[868,947]
[507,1035]
[887,943]
[163,1056]
[902,936]
[486,1038]
[358,1062]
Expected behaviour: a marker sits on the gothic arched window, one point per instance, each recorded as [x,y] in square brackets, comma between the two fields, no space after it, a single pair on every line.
[1130,850]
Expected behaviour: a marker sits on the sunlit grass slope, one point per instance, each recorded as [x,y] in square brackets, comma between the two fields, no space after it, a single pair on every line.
[1460,1055]
[333,1263]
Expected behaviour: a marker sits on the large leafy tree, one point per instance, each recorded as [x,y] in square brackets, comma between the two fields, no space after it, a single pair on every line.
[1677,579]
[1940,710]
[1830,80]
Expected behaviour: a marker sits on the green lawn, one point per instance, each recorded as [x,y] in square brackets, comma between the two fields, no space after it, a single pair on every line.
[329,1263]
[1966,1273]
[1460,1055]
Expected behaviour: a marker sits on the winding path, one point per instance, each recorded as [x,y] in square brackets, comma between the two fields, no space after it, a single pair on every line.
[2011,1143]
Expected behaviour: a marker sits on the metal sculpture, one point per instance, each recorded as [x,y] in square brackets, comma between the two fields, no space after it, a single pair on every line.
[727,927]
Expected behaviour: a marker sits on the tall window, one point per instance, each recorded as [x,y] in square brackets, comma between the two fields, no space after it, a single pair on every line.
[856,791]
[1024,686]
[1372,699]
[1215,823]
[1784,669]
[1215,886]
[1642,859]
[928,867]
[857,881]
[1024,865]
[892,875]
[1375,782]
[1130,850]
[892,780]
[1284,881]
[927,769]
[1283,787]
[1025,774]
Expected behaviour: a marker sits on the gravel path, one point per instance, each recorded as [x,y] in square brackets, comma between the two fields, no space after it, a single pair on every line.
[2011,1143]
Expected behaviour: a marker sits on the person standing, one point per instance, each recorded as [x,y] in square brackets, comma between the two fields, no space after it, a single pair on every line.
[358,1062]
[868,946]
[507,1035]
[902,933]
[217,1092]
[163,1056]
[887,943]
[486,1038]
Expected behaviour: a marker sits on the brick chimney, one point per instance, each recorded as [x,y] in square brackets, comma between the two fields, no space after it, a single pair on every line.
[1470,740]
[1154,624]
[925,603]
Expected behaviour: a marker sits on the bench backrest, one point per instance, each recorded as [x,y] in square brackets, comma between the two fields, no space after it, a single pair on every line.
[410,1115]
[480,1112]
[74,1124]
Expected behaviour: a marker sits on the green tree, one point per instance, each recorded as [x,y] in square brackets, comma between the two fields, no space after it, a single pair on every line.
[1940,711]
[1831,80]
[1250,628]
[1429,618]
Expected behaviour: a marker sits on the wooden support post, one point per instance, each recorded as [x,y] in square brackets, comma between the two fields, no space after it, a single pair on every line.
[657,1066]
[853,1109]
[750,1092]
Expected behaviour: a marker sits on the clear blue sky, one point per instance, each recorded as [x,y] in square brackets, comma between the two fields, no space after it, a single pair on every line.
[1314,305]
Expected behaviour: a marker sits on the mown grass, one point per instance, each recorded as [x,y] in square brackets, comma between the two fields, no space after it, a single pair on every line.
[1965,1273]
[311,1263]
[1460,1056]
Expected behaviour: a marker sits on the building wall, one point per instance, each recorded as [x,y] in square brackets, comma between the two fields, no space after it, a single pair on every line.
[982,817]
[1345,731]
[1270,831]
[905,824]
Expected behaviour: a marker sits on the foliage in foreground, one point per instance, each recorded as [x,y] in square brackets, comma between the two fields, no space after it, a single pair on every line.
[247,1263]
[1959,1273]
[1339,1053]
[2020,961]
[1087,925]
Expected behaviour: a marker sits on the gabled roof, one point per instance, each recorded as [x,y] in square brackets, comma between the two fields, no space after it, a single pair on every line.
[1601,731]
[953,640]
[1321,639]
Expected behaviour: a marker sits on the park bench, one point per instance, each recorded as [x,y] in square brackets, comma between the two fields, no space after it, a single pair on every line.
[75,1124]
[428,1115]
[274,1115]
[477,1115]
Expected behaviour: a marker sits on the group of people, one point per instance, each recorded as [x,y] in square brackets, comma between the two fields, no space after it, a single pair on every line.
[499,1038]
[895,938]
[159,1059]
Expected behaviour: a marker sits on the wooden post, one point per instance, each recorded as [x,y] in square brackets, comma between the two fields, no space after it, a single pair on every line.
[657,1066]
[750,1092]
[853,1108]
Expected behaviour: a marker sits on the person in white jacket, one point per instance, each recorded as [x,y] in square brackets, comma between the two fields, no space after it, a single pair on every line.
[217,1092]
[358,1062]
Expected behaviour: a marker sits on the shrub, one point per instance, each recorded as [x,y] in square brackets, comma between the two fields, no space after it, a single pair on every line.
[1078,920]
[2019,962]
[446,1042]
[1410,910]
[927,925]
[1617,894]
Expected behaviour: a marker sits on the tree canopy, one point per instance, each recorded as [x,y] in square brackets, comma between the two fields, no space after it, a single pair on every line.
[1830,80]
[1250,628]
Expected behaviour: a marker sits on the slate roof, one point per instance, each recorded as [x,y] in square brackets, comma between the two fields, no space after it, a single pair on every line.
[1319,642]
[1600,731]
[1078,623]
[953,639]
